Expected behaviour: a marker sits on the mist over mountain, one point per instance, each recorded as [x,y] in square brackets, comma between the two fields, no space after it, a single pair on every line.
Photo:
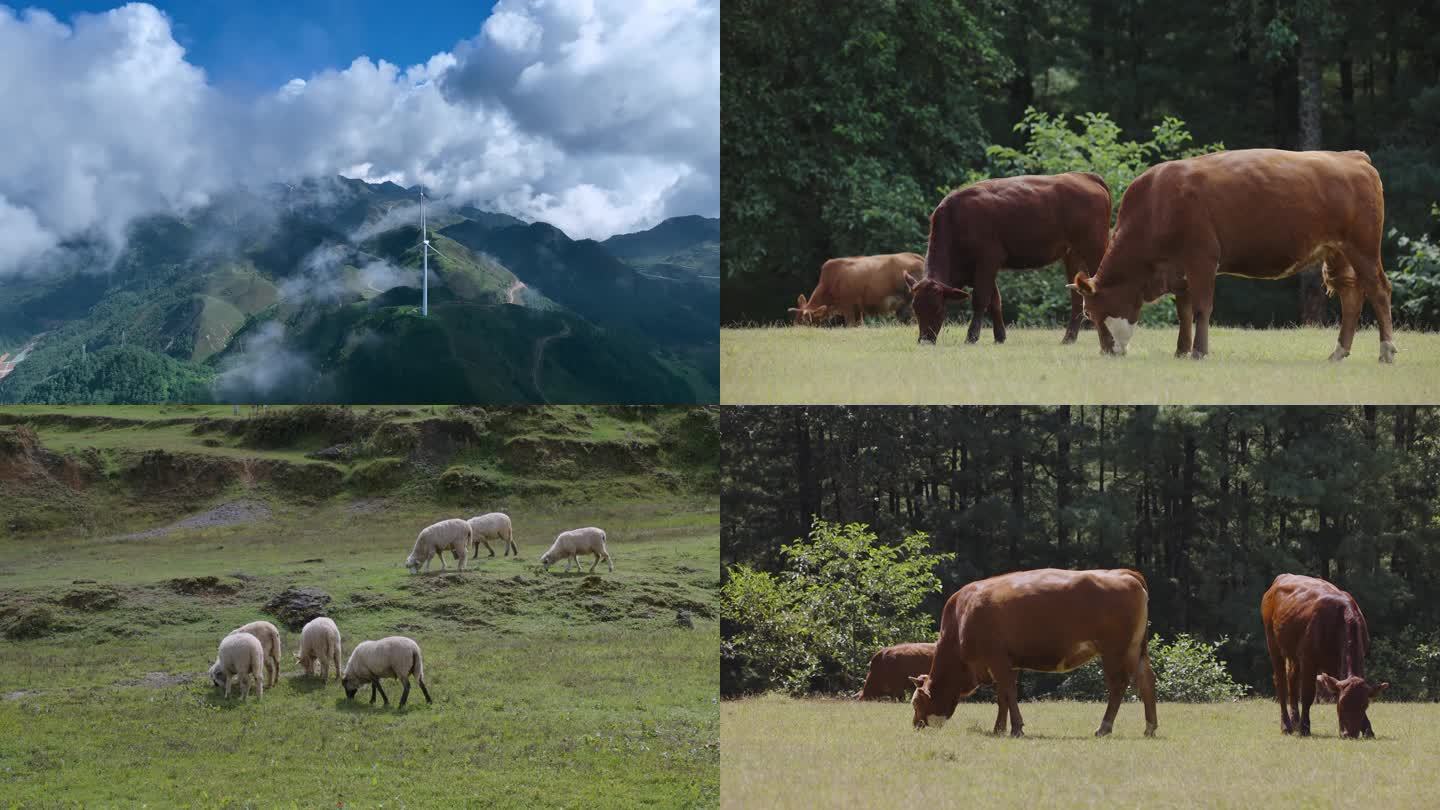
[310,292]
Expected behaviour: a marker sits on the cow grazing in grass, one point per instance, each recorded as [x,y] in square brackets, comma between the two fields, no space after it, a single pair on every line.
[1011,222]
[892,668]
[1047,620]
[1257,213]
[859,285]
[1317,636]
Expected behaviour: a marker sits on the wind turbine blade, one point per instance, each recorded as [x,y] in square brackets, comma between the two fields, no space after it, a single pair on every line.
[437,252]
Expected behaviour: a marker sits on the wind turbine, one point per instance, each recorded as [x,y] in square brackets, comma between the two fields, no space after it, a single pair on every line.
[425,258]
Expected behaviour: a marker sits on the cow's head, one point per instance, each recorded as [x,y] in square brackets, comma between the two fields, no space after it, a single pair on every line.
[933,709]
[802,314]
[928,302]
[1352,700]
[1115,320]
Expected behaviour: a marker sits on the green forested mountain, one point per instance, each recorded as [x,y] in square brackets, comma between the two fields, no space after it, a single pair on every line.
[311,292]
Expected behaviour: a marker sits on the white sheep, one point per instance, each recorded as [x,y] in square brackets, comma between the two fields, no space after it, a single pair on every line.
[319,641]
[570,545]
[453,534]
[494,525]
[270,642]
[392,657]
[240,656]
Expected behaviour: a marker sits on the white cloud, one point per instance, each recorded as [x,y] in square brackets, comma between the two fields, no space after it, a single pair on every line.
[599,117]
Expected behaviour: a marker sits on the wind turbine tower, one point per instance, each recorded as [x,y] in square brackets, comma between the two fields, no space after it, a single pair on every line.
[425,258]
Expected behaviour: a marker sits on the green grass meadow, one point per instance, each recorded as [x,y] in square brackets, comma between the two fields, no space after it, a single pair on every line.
[551,689]
[882,364]
[780,753]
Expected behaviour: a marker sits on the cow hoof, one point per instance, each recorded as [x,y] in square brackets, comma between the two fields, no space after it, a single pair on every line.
[1181,354]
[1388,352]
[1341,353]
[1067,340]
[999,339]
[1102,732]
[1017,733]
[1149,731]
[1197,355]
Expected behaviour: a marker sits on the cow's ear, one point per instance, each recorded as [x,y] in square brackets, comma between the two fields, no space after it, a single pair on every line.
[794,311]
[1375,690]
[1328,682]
[910,282]
[920,681]
[956,294]
[1083,284]
[800,300]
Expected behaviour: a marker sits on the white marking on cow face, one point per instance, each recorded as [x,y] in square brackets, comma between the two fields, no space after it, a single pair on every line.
[936,720]
[1122,330]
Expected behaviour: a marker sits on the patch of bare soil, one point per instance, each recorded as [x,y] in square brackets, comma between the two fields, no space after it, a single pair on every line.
[226,514]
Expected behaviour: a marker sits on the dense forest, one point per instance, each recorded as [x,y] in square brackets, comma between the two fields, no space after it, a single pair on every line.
[842,125]
[1210,503]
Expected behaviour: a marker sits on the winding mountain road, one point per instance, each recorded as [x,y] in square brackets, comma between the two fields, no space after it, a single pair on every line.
[514,291]
[540,358]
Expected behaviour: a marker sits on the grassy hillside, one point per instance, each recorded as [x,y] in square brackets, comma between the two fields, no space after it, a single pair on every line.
[177,524]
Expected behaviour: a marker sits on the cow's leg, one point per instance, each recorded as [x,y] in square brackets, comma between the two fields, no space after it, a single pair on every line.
[1307,697]
[997,315]
[1277,669]
[1116,679]
[1002,711]
[1145,684]
[982,292]
[1352,300]
[1292,676]
[1006,687]
[1073,265]
[1186,316]
[1200,288]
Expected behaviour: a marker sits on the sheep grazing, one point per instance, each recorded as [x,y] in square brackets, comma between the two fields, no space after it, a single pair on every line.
[393,657]
[495,525]
[319,641]
[453,534]
[570,545]
[240,656]
[269,638]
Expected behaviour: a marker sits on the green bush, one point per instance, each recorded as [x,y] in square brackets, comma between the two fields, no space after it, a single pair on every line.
[1409,661]
[839,596]
[1187,670]
[1416,281]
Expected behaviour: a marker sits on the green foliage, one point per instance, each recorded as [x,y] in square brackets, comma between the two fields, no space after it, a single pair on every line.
[1410,661]
[838,598]
[1187,670]
[120,375]
[1416,280]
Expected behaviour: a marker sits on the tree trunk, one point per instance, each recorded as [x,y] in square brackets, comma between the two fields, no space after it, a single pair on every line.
[1062,482]
[1312,293]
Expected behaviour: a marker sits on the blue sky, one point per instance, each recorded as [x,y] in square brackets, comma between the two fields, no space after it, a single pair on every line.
[252,46]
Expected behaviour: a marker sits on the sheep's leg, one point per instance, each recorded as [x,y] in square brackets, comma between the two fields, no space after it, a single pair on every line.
[487,547]
[259,686]
[373,686]
[228,680]
[440,555]
[383,696]
[597,561]
[423,689]
[609,562]
[405,694]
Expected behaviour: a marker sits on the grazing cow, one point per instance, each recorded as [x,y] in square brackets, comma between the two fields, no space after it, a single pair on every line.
[1257,213]
[1015,222]
[1047,620]
[1317,636]
[854,286]
[892,668]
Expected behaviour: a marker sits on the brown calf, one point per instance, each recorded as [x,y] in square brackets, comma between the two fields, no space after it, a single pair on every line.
[1317,636]
[858,285]
[1048,620]
[1258,213]
[1016,222]
[892,668]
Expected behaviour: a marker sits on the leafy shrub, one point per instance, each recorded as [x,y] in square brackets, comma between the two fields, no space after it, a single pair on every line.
[1187,670]
[840,596]
[1409,661]
[1416,281]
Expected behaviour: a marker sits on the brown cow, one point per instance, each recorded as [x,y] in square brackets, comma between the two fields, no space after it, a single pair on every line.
[892,668]
[1016,222]
[1317,636]
[854,286]
[1258,213]
[1048,620]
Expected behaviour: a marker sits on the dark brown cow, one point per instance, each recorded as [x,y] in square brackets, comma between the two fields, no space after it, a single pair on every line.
[857,285]
[1317,636]
[1258,213]
[1046,620]
[892,668]
[1015,222]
